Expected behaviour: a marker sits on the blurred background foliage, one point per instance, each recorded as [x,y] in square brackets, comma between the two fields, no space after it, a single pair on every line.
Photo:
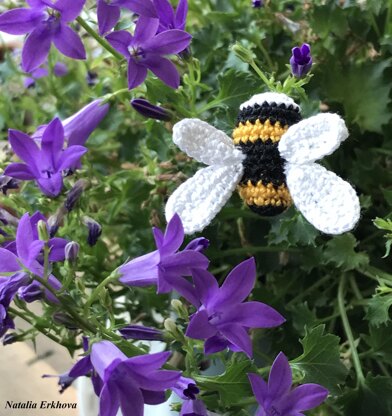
[132,166]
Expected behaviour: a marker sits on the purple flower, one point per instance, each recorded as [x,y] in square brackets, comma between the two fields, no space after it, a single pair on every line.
[26,251]
[301,60]
[46,21]
[187,390]
[59,70]
[94,231]
[146,109]
[109,11]
[78,127]
[146,50]
[141,332]
[9,287]
[223,318]
[45,164]
[129,383]
[257,3]
[168,19]
[166,266]
[277,398]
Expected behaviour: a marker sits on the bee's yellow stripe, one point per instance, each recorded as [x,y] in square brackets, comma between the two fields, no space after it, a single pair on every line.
[263,195]
[250,132]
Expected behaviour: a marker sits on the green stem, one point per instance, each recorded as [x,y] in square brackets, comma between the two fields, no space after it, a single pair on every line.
[349,333]
[15,312]
[309,290]
[96,292]
[261,74]
[105,44]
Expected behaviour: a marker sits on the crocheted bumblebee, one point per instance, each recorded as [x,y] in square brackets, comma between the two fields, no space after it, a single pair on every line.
[271,161]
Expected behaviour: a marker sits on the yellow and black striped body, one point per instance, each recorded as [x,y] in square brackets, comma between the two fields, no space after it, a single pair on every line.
[257,133]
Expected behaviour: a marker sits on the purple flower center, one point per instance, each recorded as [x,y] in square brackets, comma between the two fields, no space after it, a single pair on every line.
[137,53]
[192,391]
[47,173]
[215,318]
[273,411]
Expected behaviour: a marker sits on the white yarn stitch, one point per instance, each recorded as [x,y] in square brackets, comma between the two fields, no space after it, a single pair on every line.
[327,201]
[205,143]
[313,138]
[270,97]
[200,198]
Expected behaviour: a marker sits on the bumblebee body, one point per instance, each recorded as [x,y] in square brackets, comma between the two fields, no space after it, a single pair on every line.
[258,131]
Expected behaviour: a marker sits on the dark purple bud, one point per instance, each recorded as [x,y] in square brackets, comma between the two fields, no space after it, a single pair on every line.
[72,251]
[92,78]
[301,60]
[62,318]
[257,3]
[94,231]
[11,338]
[7,183]
[74,194]
[198,244]
[64,381]
[31,293]
[141,332]
[146,109]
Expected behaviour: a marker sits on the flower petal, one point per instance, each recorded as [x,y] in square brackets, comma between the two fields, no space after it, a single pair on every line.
[174,236]
[120,40]
[153,397]
[259,387]
[280,378]
[206,286]
[109,401]
[181,13]
[70,157]
[78,127]
[306,397]
[254,315]
[169,42]
[52,141]
[183,287]
[215,344]
[184,262]
[8,261]
[142,7]
[25,148]
[36,48]
[164,70]
[199,326]
[136,74]
[24,238]
[57,249]
[238,336]
[238,284]
[68,43]
[158,237]
[146,28]
[35,249]
[70,10]
[142,271]
[165,11]
[148,362]
[81,368]
[20,21]
[19,171]
[108,16]
[103,355]
[156,380]
[51,186]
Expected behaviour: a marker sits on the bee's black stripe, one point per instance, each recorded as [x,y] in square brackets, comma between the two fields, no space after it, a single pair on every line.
[262,163]
[287,116]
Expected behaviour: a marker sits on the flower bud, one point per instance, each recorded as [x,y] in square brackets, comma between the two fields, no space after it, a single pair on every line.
[242,53]
[11,338]
[43,233]
[198,244]
[141,332]
[180,309]
[74,194]
[170,326]
[146,109]
[60,69]
[257,3]
[62,318]
[72,251]
[301,60]
[31,293]
[7,183]
[94,231]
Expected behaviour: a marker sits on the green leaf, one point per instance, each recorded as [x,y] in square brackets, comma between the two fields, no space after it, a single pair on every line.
[378,311]
[329,20]
[372,398]
[320,361]
[363,92]
[233,385]
[341,252]
[380,341]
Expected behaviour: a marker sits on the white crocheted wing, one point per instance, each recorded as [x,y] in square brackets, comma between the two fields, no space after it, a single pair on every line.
[198,200]
[326,200]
